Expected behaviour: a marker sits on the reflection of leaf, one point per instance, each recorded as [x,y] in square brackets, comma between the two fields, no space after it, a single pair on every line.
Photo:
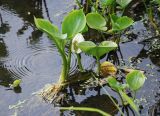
[123,3]
[92,49]
[130,101]
[74,23]
[135,79]
[96,21]
[120,23]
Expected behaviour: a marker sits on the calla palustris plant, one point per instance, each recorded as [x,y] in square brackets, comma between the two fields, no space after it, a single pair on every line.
[72,24]
[134,81]
[97,50]
[120,88]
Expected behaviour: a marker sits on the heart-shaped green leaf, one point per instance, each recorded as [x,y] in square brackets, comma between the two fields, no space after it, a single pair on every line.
[51,30]
[114,84]
[96,21]
[106,2]
[120,23]
[123,3]
[92,49]
[135,79]
[74,23]
[47,27]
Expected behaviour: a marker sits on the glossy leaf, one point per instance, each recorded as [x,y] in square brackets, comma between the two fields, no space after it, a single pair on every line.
[47,27]
[51,30]
[97,50]
[96,21]
[114,84]
[120,23]
[74,23]
[106,2]
[135,79]
[130,101]
[123,3]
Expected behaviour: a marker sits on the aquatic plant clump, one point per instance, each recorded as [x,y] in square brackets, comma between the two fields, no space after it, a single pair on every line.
[73,25]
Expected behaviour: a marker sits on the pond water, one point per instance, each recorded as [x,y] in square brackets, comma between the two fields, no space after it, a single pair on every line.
[27,54]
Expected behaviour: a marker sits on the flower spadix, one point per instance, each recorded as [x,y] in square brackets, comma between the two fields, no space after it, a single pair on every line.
[76,40]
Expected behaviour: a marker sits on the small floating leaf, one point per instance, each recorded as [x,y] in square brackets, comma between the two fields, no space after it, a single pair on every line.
[16,83]
[135,79]
[96,21]
[107,68]
[74,23]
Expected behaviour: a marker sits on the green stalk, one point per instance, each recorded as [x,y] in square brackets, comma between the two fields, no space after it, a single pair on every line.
[97,1]
[69,57]
[134,95]
[105,90]
[64,74]
[86,109]
[98,66]
[79,63]
[121,98]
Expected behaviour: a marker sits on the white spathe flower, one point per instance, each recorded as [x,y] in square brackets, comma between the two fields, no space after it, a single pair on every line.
[77,39]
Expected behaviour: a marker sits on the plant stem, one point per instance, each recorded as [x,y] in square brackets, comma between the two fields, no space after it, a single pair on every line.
[86,109]
[98,66]
[97,1]
[79,63]
[69,58]
[64,74]
[134,95]
[121,98]
[105,90]
[150,15]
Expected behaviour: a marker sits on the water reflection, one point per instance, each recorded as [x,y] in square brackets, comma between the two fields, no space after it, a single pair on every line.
[151,48]
[25,10]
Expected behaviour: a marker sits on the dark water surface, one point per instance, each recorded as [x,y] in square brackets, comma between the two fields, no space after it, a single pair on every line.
[29,55]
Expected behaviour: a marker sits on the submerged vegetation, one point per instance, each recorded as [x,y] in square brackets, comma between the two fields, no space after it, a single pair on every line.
[107,18]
